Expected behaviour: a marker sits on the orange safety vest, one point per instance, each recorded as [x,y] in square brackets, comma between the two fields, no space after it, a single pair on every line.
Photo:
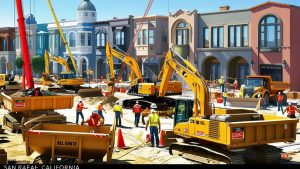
[291,110]
[279,98]
[80,106]
[137,108]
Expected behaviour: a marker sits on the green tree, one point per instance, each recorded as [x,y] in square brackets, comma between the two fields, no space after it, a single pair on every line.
[38,64]
[19,63]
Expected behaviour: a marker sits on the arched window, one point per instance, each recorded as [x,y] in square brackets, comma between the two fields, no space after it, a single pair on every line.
[4,44]
[101,39]
[72,39]
[270,32]
[182,34]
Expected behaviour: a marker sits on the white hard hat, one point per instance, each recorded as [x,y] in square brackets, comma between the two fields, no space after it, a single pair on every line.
[153,106]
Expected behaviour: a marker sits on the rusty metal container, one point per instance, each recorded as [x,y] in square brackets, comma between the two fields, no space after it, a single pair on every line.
[71,141]
[36,103]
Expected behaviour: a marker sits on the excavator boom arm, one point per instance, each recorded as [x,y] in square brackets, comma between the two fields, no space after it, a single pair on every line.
[57,59]
[195,82]
[127,59]
[62,36]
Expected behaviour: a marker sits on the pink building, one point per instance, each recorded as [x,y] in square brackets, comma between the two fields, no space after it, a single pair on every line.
[274,28]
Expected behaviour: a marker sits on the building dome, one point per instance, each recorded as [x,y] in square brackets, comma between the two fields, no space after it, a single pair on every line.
[30,19]
[86,5]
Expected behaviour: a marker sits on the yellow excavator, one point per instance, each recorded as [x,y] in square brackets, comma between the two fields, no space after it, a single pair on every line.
[68,78]
[207,134]
[138,86]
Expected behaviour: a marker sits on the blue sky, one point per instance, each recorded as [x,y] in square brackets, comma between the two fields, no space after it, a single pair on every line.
[107,9]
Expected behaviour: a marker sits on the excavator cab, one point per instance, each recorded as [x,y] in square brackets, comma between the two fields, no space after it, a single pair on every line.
[183,110]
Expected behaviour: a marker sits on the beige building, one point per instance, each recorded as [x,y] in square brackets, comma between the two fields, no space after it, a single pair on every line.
[151,43]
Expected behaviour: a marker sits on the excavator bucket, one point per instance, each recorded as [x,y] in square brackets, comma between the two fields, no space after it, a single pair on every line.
[91,92]
[244,102]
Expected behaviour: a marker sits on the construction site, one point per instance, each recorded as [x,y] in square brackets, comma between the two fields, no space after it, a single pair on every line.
[175,116]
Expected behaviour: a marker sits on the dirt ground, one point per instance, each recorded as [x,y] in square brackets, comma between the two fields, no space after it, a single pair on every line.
[138,150]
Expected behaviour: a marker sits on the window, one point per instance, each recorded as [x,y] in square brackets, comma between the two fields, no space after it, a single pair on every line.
[205,37]
[93,14]
[61,40]
[85,14]
[72,39]
[238,36]
[151,37]
[56,40]
[140,37]
[270,32]
[164,36]
[217,37]
[145,32]
[182,34]
[4,44]
[17,42]
[119,37]
[82,39]
[30,42]
[89,39]
[39,42]
[103,39]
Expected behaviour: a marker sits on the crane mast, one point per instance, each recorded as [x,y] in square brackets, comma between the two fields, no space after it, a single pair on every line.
[24,47]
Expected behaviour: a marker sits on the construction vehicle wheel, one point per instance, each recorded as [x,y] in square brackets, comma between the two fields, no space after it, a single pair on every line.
[267,99]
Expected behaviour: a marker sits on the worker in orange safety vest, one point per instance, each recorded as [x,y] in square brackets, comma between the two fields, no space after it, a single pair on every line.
[137,110]
[291,111]
[279,101]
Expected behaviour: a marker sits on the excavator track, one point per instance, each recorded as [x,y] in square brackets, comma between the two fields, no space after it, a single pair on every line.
[205,154]
[263,154]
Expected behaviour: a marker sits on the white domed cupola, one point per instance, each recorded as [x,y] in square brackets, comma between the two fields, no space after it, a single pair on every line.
[86,12]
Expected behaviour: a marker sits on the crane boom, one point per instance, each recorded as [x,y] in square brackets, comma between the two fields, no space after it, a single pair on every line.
[24,46]
[137,33]
[195,82]
[62,36]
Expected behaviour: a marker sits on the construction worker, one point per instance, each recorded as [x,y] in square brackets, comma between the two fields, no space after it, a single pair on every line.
[154,122]
[137,110]
[100,110]
[235,84]
[94,120]
[221,82]
[279,101]
[119,113]
[79,108]
[225,97]
[291,111]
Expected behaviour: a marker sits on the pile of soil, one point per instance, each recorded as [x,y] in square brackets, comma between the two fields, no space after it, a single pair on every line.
[108,101]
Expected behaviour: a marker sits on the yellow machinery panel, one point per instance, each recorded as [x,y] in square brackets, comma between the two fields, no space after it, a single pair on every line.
[239,134]
[146,88]
[174,87]
[71,82]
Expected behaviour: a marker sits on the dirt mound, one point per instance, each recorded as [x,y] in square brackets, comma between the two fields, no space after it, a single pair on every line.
[106,100]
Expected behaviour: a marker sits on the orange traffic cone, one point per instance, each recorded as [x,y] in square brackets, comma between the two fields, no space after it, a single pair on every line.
[120,143]
[162,137]
[148,138]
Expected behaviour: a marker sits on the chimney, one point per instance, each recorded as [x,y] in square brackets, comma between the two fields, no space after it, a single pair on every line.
[224,8]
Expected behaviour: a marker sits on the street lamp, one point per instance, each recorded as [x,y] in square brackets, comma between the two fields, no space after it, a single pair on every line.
[284,64]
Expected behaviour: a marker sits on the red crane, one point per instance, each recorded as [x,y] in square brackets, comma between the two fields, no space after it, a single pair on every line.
[136,35]
[24,47]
